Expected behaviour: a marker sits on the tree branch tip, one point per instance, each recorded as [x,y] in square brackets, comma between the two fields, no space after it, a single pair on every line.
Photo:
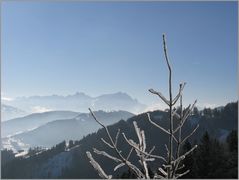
[182,84]
[151,90]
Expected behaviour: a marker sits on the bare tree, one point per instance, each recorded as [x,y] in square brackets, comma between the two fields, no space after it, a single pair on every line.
[173,161]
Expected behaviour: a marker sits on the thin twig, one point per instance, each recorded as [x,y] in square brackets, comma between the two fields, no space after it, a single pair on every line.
[190,134]
[182,174]
[159,94]
[158,126]
[137,148]
[108,144]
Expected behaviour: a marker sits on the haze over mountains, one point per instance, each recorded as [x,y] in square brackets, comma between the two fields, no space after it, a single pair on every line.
[34,120]
[49,128]
[41,120]
[78,102]
[10,112]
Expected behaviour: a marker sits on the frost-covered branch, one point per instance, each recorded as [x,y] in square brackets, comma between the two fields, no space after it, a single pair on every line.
[108,144]
[182,174]
[159,94]
[106,155]
[97,167]
[181,86]
[194,130]
[189,110]
[117,137]
[158,126]
[135,146]
[184,155]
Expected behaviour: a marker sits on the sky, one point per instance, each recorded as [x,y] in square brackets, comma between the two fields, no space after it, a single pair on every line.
[106,47]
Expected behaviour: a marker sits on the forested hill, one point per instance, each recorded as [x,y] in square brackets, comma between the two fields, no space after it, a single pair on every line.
[70,161]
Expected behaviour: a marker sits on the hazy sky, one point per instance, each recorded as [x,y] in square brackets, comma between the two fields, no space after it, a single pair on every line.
[99,48]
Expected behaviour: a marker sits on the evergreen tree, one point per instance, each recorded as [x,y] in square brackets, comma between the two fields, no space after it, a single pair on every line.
[188,161]
[232,160]
[209,159]
[71,144]
[6,156]
[195,111]
[232,141]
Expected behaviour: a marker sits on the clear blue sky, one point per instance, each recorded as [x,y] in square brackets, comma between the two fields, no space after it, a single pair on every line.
[98,48]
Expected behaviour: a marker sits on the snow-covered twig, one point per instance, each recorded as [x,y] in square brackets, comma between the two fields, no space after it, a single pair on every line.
[134,145]
[130,152]
[117,137]
[185,117]
[159,94]
[108,144]
[156,125]
[184,155]
[182,174]
[97,167]
[106,155]
[194,130]
[181,87]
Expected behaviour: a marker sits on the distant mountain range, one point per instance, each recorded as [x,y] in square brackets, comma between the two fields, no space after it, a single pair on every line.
[73,163]
[51,128]
[78,102]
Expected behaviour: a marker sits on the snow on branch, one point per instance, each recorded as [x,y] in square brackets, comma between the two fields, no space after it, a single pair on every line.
[182,174]
[158,126]
[189,110]
[159,95]
[108,144]
[106,154]
[194,130]
[174,113]
[184,155]
[97,167]
[181,86]
[117,137]
[136,147]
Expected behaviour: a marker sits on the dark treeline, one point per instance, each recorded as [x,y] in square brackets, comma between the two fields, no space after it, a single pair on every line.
[211,160]
[25,166]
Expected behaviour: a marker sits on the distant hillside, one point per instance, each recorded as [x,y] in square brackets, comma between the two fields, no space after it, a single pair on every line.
[210,120]
[56,131]
[34,120]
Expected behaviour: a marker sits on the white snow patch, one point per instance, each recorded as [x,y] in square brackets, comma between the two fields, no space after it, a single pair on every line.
[7,99]
[40,109]
[21,154]
[14,144]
